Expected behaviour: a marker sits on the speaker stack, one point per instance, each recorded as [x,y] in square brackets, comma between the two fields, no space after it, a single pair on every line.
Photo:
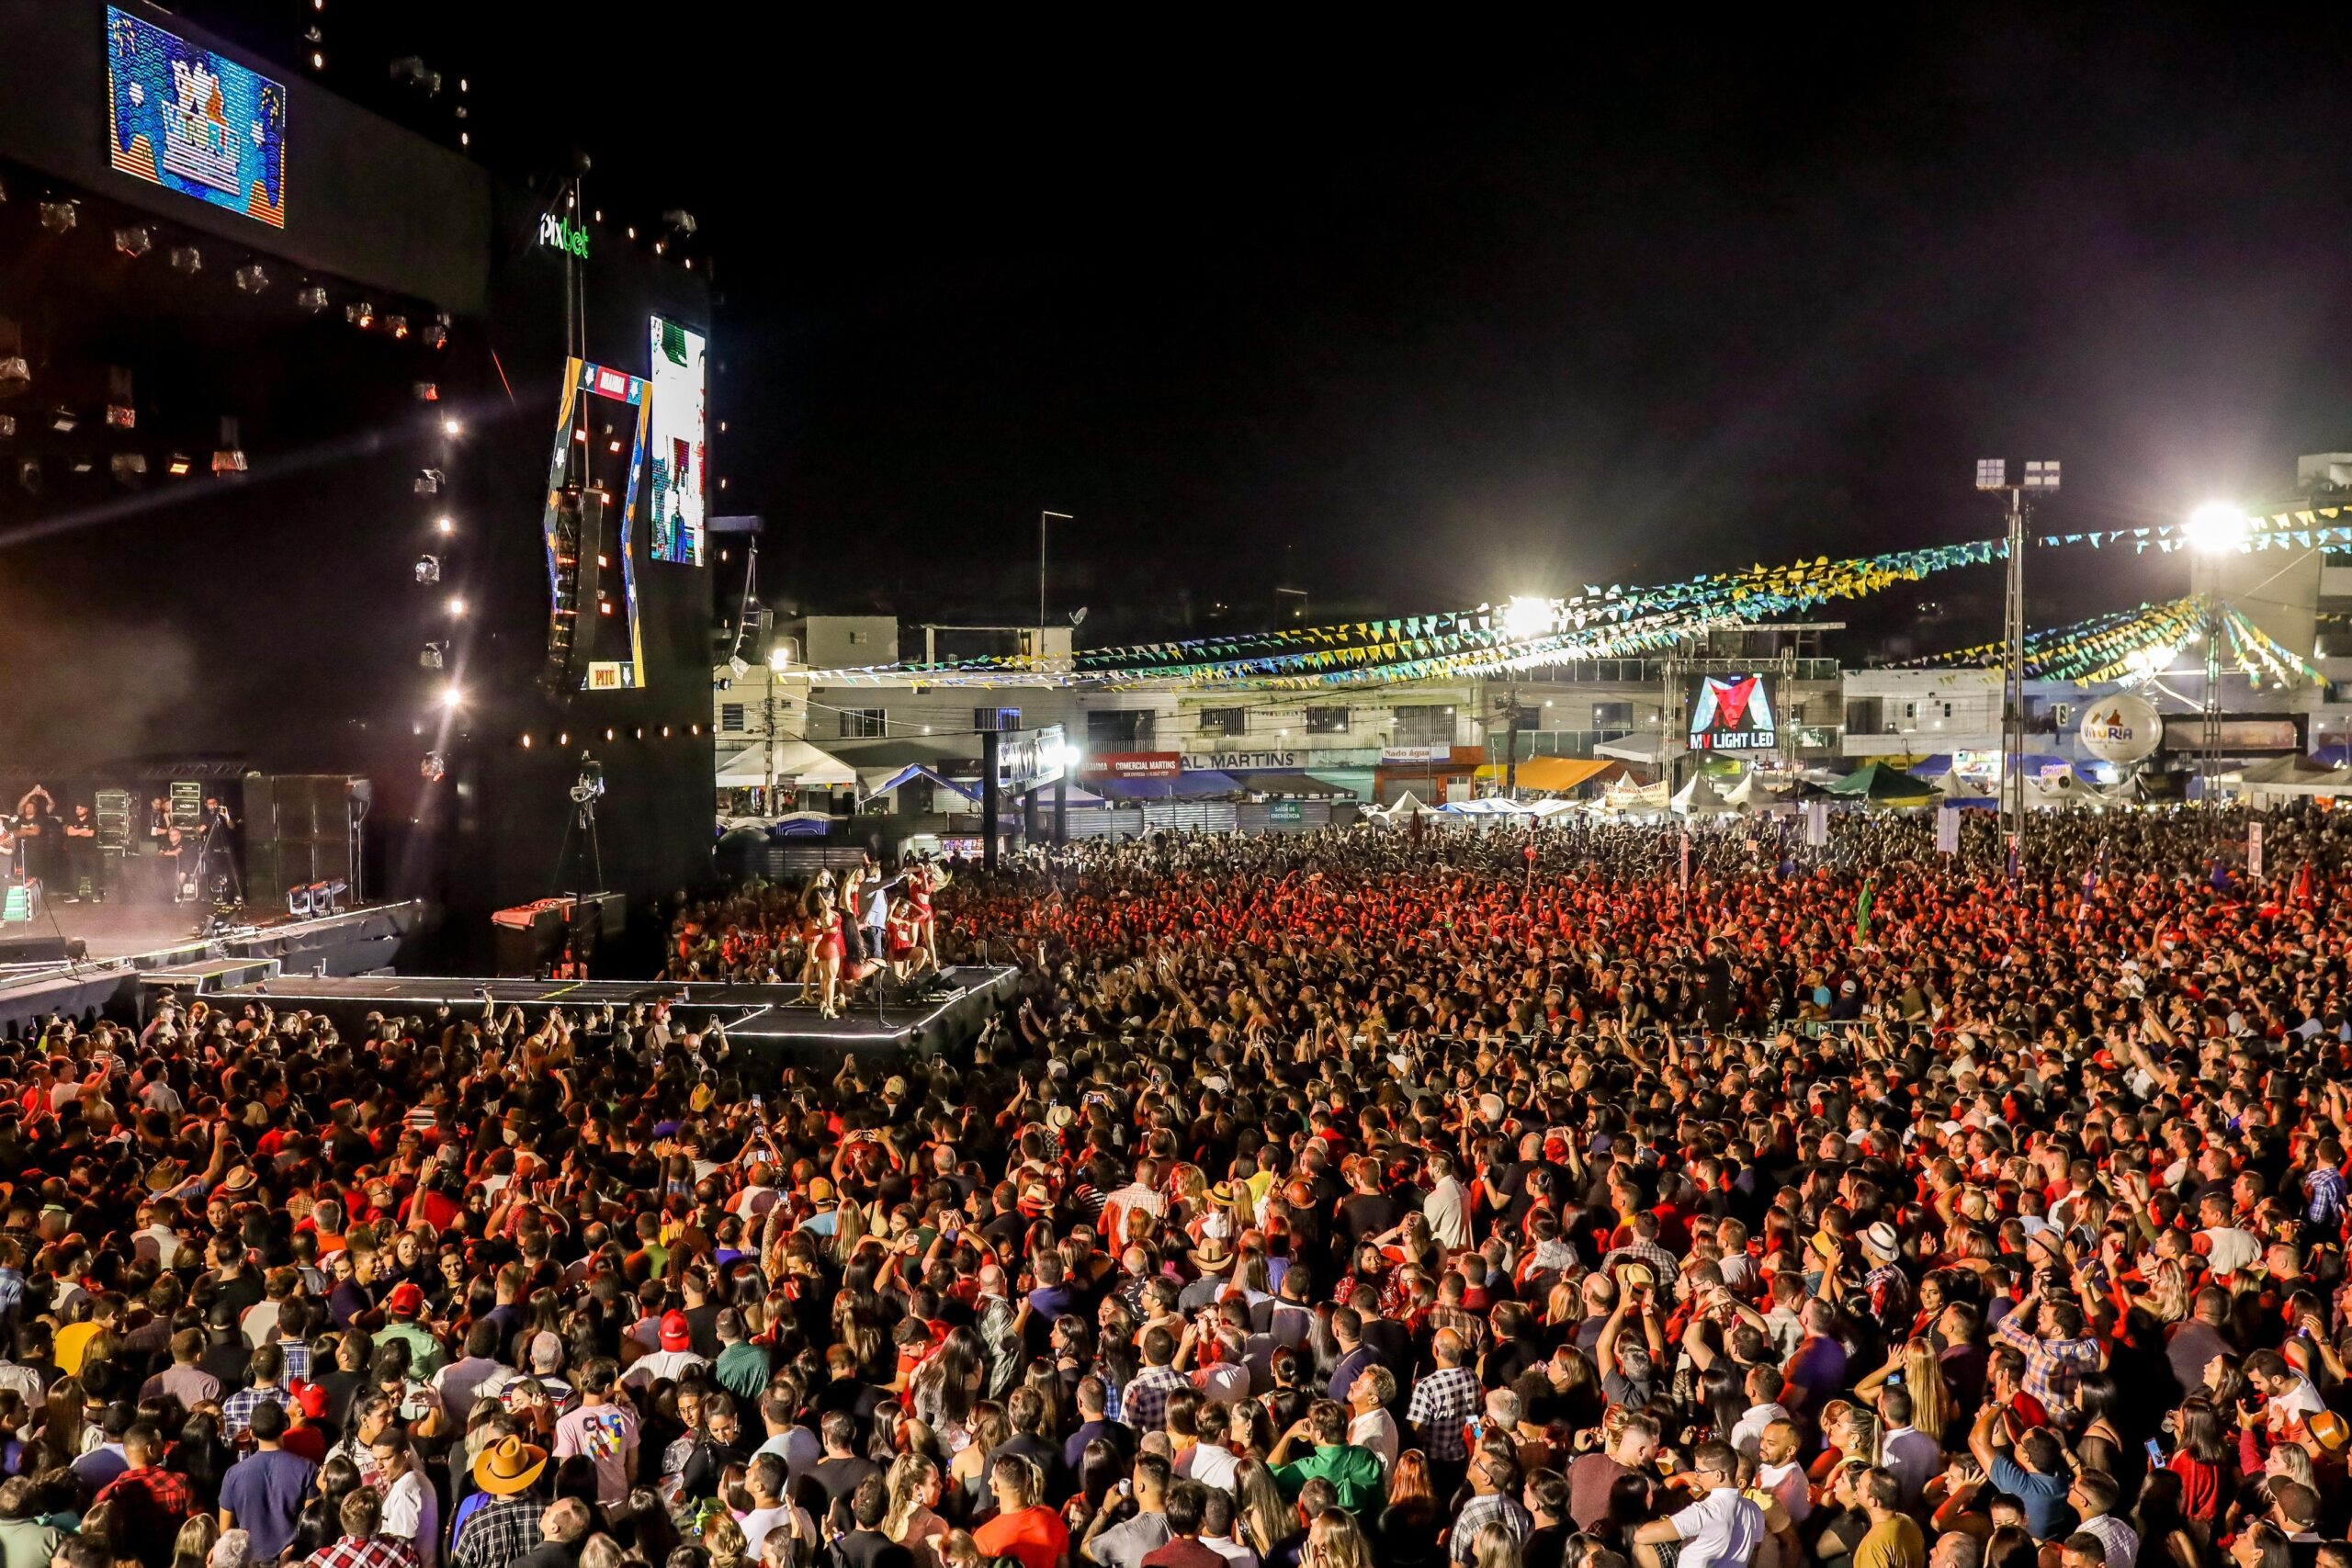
[298,834]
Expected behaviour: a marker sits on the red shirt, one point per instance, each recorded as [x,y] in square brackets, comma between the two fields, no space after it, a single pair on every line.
[1035,1537]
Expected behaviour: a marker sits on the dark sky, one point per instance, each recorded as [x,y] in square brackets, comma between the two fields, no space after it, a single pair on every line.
[1419,320]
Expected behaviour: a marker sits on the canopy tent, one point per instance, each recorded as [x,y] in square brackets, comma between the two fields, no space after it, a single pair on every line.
[1491,806]
[1751,792]
[1298,786]
[1406,804]
[1544,810]
[1193,784]
[1957,791]
[2292,777]
[1881,786]
[1701,798]
[1557,775]
[914,771]
[2061,791]
[1650,749]
[797,762]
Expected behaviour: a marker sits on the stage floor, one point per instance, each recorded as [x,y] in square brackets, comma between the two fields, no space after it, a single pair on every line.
[769,1018]
[118,930]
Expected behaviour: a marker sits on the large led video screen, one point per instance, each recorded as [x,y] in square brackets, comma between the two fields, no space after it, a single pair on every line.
[680,440]
[1733,712]
[184,118]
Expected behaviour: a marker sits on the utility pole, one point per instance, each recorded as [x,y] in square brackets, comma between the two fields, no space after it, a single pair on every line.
[1041,575]
[1993,474]
[1511,745]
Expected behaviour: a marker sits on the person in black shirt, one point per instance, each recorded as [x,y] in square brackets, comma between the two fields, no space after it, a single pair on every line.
[831,1480]
[867,1546]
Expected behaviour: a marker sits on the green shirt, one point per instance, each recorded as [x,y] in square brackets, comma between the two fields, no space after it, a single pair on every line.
[1353,1472]
[424,1352]
[742,1370]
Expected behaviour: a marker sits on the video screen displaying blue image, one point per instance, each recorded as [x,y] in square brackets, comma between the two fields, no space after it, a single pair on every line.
[191,121]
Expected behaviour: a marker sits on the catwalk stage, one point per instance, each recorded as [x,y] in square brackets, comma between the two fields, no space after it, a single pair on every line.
[767,1020]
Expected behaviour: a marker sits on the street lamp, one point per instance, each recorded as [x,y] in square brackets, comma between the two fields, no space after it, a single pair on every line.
[2214,528]
[1527,615]
[2041,477]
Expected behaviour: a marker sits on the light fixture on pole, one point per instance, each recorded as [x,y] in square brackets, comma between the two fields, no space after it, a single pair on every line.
[2215,528]
[2041,477]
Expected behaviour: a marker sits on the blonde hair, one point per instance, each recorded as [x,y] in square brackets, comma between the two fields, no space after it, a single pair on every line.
[1923,1380]
[907,1473]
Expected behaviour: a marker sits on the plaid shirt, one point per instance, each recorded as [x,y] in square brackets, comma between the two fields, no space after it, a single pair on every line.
[376,1551]
[237,1410]
[12,1292]
[1660,1262]
[298,1359]
[152,1499]
[1145,1401]
[2324,1188]
[1480,1511]
[2053,1368]
[499,1532]
[1890,1292]
[1467,1325]
[1442,1402]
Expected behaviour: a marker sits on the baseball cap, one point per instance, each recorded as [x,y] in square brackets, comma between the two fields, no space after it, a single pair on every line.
[406,1299]
[677,1333]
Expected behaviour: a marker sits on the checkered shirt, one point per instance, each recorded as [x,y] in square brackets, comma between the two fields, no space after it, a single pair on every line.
[1480,1511]
[376,1551]
[298,1359]
[152,1497]
[1145,1401]
[2053,1368]
[499,1532]
[2324,1188]
[1889,1289]
[1659,1261]
[237,1410]
[1442,1402]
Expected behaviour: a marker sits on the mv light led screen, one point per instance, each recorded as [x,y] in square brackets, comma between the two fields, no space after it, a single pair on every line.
[183,118]
[1733,714]
[680,440]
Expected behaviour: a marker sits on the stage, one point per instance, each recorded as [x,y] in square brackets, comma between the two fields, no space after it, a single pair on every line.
[134,952]
[767,1020]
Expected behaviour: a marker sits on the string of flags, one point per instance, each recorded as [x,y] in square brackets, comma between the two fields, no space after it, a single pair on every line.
[2141,641]
[2282,530]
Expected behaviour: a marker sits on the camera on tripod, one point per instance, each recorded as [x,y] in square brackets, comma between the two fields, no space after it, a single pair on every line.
[589,787]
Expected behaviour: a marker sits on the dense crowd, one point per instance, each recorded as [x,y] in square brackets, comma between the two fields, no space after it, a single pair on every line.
[1510,1199]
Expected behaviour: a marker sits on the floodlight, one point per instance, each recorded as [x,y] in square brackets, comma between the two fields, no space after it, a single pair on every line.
[779,659]
[428,569]
[445,525]
[360,314]
[2042,476]
[252,278]
[15,374]
[428,482]
[134,240]
[179,466]
[57,217]
[2217,526]
[63,420]
[457,606]
[1527,615]
[1992,473]
[452,427]
[313,298]
[452,695]
[397,325]
[430,659]
[129,468]
[187,259]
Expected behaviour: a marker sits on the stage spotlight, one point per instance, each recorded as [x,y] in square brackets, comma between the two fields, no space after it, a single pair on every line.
[435,768]
[179,466]
[187,259]
[438,334]
[252,278]
[681,222]
[445,525]
[428,391]
[451,427]
[29,475]
[57,217]
[396,325]
[457,606]
[83,464]
[452,695]
[313,299]
[63,421]
[15,374]
[7,426]
[428,569]
[134,240]
[428,482]
[360,314]
[129,468]
[430,659]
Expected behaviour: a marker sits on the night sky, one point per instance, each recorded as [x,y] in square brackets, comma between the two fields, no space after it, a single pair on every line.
[1413,322]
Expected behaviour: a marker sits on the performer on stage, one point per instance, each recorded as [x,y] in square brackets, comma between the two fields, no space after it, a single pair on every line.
[220,843]
[82,855]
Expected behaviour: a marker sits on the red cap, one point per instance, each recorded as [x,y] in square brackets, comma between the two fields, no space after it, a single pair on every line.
[677,1333]
[406,1299]
[312,1398]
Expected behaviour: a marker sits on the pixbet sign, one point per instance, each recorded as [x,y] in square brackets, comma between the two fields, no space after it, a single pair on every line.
[560,234]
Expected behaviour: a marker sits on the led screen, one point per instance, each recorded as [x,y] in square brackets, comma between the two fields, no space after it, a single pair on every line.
[183,118]
[1733,712]
[679,442]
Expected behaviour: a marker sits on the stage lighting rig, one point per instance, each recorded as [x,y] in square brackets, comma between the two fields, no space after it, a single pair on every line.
[129,468]
[429,481]
[187,259]
[57,217]
[434,657]
[428,570]
[251,277]
[29,475]
[360,313]
[313,299]
[134,240]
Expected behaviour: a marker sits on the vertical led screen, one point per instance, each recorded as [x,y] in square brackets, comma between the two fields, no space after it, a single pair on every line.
[184,118]
[680,440]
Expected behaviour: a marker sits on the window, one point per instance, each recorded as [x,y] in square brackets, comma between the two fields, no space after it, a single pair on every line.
[1118,729]
[1612,716]
[1326,721]
[1425,724]
[1225,721]
[861,724]
[731,717]
[1864,715]
[986,719]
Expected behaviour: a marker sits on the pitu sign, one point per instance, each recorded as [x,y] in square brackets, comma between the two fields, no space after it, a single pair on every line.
[561,233]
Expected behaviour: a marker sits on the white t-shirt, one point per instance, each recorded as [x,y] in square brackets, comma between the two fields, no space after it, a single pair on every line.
[2232,1249]
[1722,1529]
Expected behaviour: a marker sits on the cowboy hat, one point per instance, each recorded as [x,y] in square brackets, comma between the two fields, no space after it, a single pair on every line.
[508,1466]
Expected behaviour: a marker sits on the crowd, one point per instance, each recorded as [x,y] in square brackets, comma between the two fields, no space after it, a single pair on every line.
[1367,1196]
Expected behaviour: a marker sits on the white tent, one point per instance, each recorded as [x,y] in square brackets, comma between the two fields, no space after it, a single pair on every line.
[1550,808]
[2062,791]
[1489,805]
[1952,786]
[2292,778]
[1651,749]
[797,763]
[1749,793]
[1701,798]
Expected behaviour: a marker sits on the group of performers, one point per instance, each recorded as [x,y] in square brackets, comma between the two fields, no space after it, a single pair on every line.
[59,856]
[864,924]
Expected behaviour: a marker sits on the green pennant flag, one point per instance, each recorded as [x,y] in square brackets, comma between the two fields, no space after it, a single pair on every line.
[1863,912]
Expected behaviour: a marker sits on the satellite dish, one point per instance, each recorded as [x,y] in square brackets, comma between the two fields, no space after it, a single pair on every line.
[1078,617]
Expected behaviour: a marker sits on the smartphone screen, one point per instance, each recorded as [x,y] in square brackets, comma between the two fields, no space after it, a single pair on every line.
[2155,1451]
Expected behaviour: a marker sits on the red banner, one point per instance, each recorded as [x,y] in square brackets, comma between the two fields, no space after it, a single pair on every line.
[1134,765]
